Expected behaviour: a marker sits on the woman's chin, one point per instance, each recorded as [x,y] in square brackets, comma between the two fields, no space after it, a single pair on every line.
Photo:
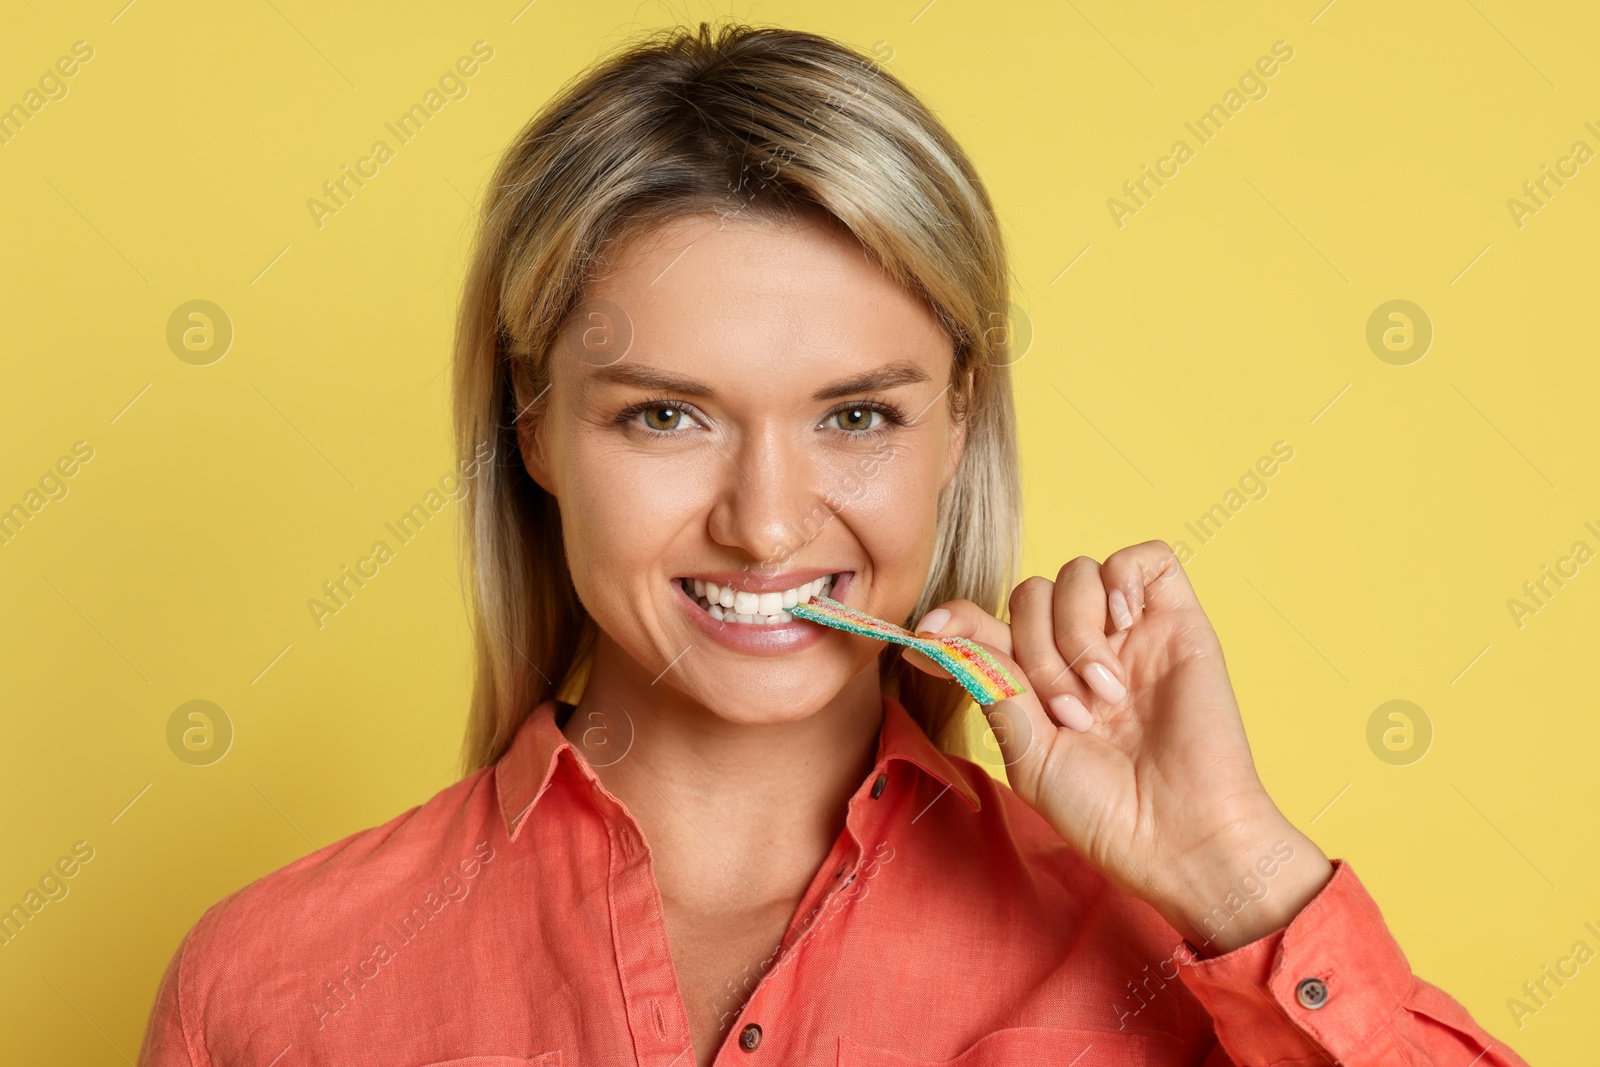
[766,704]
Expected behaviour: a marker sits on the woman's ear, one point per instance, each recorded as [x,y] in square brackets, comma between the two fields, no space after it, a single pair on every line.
[958,444]
[530,442]
[958,436]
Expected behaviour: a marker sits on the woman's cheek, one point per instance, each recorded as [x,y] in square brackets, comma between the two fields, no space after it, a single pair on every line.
[624,511]
[892,508]
[901,479]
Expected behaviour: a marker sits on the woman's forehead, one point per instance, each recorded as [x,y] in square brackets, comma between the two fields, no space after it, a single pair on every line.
[708,296]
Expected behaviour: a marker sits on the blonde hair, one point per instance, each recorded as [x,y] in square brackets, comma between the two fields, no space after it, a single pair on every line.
[768,123]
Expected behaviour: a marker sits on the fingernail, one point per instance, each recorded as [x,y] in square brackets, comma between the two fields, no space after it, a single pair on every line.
[1070,712]
[1119,609]
[933,621]
[1103,682]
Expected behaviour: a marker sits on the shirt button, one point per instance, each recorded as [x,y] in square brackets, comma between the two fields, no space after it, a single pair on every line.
[1312,993]
[750,1037]
[877,786]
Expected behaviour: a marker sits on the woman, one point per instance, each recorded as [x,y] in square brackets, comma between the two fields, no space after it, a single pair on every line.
[730,339]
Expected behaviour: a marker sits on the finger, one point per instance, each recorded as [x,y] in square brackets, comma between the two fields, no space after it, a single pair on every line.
[1033,640]
[1067,698]
[1122,616]
[922,663]
[1147,576]
[1018,734]
[1065,703]
[1078,629]
[1022,729]
[963,618]
[955,619]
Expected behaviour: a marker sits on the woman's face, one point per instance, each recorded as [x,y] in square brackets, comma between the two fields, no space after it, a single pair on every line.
[750,407]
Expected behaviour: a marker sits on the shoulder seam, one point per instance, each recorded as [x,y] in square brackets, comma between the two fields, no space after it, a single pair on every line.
[191,1038]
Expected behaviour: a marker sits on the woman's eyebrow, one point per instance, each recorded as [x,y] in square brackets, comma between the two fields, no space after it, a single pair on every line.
[651,378]
[899,372]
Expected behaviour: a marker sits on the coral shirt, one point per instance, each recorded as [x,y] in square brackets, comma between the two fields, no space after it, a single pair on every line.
[514,919]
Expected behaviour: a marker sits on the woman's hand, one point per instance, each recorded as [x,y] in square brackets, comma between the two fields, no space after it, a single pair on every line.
[1141,761]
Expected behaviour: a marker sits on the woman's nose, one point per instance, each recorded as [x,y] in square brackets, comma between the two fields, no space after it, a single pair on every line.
[765,503]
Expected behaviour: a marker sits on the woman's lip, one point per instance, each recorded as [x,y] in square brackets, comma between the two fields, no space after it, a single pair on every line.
[748,582]
[755,638]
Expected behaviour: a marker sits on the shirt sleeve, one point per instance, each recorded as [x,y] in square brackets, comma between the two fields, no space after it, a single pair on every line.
[166,1044]
[1334,985]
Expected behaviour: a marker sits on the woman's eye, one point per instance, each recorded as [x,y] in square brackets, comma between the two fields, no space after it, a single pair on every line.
[663,417]
[855,419]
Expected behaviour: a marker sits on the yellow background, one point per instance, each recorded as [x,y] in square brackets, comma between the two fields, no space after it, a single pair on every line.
[1230,312]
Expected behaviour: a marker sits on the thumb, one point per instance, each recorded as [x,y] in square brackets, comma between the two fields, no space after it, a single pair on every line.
[1015,733]
[1023,730]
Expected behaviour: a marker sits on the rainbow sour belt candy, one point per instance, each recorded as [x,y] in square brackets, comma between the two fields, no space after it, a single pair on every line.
[967,661]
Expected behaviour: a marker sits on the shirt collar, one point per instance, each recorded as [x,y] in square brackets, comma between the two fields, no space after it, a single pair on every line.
[902,738]
[529,766]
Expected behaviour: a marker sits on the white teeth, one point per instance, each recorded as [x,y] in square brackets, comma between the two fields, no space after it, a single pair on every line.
[725,604]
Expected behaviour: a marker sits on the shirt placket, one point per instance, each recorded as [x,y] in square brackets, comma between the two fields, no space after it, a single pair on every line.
[768,1008]
[650,994]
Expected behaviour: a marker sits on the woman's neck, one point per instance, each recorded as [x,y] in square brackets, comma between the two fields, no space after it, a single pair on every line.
[725,806]
[738,817]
